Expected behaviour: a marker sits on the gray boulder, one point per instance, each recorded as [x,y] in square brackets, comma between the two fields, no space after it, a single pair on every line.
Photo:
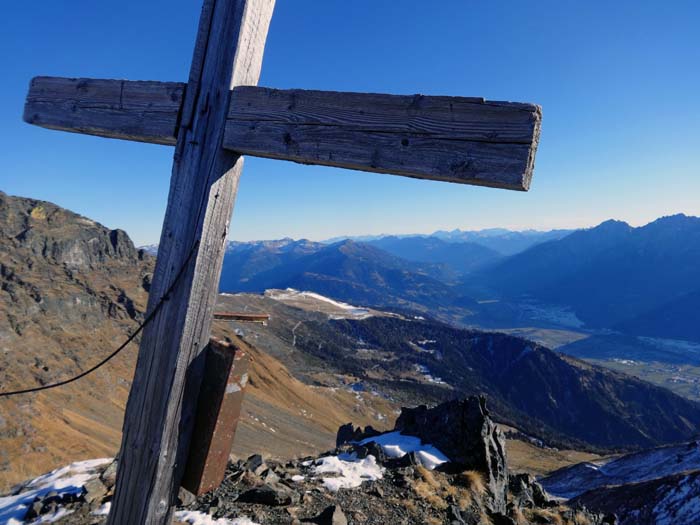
[463,430]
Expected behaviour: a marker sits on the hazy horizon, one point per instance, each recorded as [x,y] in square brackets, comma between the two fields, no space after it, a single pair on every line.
[429,233]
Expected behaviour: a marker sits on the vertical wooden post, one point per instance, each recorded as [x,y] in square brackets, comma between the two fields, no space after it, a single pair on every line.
[218,410]
[228,52]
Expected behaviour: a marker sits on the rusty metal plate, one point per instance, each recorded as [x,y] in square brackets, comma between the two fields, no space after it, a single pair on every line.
[218,411]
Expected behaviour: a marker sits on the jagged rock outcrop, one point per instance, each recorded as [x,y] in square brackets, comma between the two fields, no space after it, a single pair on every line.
[348,433]
[463,430]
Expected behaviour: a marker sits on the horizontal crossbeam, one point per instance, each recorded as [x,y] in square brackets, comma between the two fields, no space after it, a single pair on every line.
[454,139]
[117,109]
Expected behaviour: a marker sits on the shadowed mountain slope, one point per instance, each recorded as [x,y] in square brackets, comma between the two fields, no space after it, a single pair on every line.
[612,275]
[348,270]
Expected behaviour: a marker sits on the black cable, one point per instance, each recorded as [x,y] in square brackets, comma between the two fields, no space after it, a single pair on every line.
[147,320]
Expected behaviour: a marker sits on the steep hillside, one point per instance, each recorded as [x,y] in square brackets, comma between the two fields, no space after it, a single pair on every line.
[243,261]
[612,274]
[677,319]
[412,359]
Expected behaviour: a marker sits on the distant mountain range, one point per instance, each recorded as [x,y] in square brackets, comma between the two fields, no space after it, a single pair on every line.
[639,281]
[500,240]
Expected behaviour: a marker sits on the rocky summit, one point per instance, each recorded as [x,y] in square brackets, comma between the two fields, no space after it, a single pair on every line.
[394,477]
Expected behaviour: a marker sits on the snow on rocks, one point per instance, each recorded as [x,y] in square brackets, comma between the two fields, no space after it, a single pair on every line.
[396,445]
[351,471]
[427,375]
[194,517]
[61,483]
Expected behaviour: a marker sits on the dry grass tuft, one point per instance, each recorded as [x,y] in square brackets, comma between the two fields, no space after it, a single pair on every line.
[451,490]
[429,493]
[432,520]
[410,506]
[581,519]
[465,499]
[546,516]
[428,476]
[474,481]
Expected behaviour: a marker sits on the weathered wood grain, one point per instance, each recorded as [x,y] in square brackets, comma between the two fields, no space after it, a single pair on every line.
[122,109]
[159,417]
[454,139]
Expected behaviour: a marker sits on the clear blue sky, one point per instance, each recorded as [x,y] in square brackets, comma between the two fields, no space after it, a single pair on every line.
[619,83]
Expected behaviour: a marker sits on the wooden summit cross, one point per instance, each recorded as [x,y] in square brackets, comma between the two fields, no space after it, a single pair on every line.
[212,120]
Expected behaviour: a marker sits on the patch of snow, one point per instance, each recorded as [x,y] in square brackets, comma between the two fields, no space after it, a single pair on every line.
[425,372]
[290,294]
[297,478]
[396,445]
[199,518]
[103,510]
[419,346]
[64,481]
[351,471]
